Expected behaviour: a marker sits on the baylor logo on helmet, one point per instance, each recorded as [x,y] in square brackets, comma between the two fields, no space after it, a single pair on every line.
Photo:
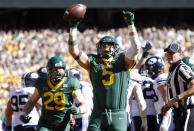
[59,64]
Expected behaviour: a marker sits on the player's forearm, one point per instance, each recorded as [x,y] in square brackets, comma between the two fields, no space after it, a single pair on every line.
[134,50]
[83,107]
[8,114]
[163,91]
[8,119]
[80,100]
[188,92]
[140,98]
[28,106]
[73,43]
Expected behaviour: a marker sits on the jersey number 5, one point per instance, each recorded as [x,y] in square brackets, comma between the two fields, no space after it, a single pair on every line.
[110,73]
[59,104]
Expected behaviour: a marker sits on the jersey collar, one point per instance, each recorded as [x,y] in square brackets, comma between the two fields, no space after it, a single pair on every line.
[56,86]
[106,61]
[174,66]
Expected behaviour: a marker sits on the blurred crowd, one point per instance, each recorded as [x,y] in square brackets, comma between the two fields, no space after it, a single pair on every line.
[28,50]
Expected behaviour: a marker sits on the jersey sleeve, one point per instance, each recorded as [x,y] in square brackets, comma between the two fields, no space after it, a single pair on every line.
[11,93]
[161,80]
[186,73]
[39,84]
[73,83]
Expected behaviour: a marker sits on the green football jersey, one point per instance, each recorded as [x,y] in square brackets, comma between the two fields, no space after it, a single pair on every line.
[109,81]
[56,99]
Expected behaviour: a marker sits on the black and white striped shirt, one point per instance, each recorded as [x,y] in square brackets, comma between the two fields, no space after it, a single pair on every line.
[178,81]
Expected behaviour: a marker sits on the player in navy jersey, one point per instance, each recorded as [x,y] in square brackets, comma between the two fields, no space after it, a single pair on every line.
[18,98]
[82,120]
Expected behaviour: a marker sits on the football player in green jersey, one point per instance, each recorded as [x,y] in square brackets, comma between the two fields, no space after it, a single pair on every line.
[57,92]
[188,61]
[109,75]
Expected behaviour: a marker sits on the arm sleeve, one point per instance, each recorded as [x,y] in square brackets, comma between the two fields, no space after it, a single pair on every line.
[134,50]
[186,74]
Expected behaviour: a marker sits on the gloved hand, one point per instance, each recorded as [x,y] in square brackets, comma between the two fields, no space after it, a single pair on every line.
[128,17]
[25,118]
[146,49]
[75,24]
[73,110]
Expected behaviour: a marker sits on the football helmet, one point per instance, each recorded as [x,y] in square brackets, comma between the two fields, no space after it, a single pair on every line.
[188,61]
[75,72]
[154,65]
[29,78]
[104,54]
[42,71]
[56,62]
[142,70]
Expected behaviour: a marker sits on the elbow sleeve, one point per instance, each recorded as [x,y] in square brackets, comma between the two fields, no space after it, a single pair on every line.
[134,50]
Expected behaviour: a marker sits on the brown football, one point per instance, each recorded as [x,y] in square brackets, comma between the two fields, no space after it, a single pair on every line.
[75,12]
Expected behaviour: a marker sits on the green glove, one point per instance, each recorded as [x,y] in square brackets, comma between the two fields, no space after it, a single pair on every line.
[74,110]
[75,24]
[146,49]
[128,17]
[25,118]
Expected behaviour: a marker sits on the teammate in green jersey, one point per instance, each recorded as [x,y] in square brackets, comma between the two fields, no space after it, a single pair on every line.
[109,75]
[57,92]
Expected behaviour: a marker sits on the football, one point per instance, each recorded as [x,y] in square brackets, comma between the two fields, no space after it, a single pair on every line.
[75,12]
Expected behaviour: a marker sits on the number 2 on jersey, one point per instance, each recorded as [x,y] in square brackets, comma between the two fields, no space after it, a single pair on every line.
[60,104]
[110,73]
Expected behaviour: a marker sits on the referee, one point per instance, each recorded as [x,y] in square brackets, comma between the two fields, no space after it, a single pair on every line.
[180,86]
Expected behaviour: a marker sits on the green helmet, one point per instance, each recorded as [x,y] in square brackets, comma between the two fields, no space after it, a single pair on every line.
[106,39]
[56,62]
[188,61]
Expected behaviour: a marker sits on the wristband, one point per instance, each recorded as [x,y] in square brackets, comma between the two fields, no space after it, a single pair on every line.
[72,42]
[73,31]
[132,29]
[24,113]
[78,56]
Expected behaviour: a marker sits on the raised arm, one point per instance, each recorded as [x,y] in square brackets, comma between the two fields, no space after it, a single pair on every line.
[80,56]
[133,51]
[146,50]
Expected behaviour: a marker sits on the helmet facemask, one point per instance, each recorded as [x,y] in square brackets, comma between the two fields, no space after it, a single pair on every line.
[107,47]
[56,68]
[57,74]
[106,50]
